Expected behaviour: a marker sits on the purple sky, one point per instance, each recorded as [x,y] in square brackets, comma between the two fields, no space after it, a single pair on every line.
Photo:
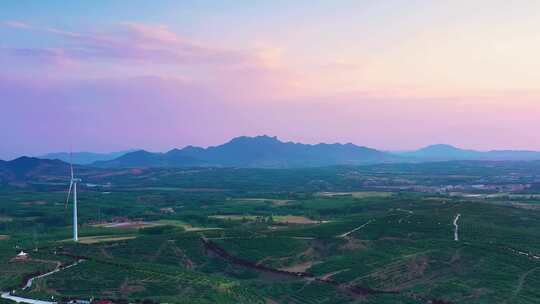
[168,74]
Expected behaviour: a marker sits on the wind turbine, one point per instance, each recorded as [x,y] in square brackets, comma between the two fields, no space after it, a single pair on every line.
[73,185]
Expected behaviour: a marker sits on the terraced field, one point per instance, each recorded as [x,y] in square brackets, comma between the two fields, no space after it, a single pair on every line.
[332,246]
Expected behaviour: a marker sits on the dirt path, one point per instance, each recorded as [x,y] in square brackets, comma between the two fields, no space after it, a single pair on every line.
[105,253]
[188,263]
[410,213]
[520,284]
[329,276]
[57,269]
[456,227]
[353,290]
[346,234]
[302,267]
[158,252]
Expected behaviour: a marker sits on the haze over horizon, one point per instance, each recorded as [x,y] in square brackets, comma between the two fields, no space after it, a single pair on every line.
[115,153]
[105,76]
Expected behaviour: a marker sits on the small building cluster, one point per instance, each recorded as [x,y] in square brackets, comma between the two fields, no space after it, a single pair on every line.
[21,256]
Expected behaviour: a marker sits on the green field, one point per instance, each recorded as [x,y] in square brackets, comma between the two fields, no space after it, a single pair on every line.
[396,246]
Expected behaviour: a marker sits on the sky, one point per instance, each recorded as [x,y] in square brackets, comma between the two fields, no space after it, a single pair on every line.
[393,75]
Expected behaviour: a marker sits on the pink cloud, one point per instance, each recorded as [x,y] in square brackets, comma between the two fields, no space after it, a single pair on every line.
[138,42]
[156,33]
[17,24]
[158,114]
[132,49]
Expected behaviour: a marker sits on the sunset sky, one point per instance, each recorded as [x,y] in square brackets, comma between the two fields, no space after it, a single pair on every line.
[393,75]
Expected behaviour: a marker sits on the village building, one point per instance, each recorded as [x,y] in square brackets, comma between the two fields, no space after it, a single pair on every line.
[21,256]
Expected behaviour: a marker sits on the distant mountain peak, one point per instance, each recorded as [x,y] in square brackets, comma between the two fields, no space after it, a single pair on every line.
[84,158]
[140,152]
[440,152]
[258,138]
[24,159]
[258,151]
[24,167]
[441,147]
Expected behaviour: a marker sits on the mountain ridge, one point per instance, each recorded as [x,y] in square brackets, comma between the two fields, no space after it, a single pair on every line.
[444,152]
[84,158]
[257,152]
[25,168]
[269,152]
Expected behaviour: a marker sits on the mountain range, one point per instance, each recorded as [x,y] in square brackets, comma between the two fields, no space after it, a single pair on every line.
[443,152]
[264,152]
[269,152]
[255,152]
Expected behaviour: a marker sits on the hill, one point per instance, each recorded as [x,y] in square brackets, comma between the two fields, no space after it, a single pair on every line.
[443,152]
[255,152]
[144,158]
[84,158]
[31,168]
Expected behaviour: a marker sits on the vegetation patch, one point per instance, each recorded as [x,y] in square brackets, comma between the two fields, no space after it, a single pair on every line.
[103,239]
[358,194]
[276,202]
[282,219]
[331,224]
[5,219]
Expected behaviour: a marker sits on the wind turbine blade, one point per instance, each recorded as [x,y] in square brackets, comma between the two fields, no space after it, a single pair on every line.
[69,193]
[71,163]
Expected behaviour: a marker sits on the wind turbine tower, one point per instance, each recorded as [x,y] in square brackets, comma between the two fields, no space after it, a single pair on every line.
[73,185]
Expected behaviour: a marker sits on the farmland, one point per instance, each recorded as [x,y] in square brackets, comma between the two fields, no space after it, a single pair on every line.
[319,235]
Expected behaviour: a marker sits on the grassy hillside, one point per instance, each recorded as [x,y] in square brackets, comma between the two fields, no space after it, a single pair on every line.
[145,242]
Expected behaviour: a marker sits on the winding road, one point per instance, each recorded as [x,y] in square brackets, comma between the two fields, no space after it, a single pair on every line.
[31,280]
[9,296]
[456,227]
[354,230]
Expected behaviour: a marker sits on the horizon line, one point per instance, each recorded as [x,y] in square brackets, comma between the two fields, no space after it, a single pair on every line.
[131,150]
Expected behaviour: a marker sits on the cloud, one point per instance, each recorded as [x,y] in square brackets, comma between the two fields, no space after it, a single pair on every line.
[158,114]
[129,50]
[134,49]
[16,24]
[132,41]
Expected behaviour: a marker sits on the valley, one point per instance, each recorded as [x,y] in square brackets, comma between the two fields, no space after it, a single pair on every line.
[355,234]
